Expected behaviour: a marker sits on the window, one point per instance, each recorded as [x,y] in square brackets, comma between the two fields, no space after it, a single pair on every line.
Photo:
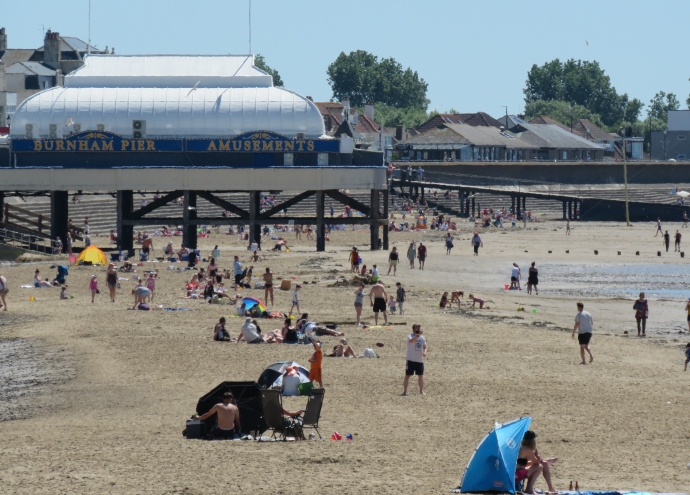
[288,159]
[682,137]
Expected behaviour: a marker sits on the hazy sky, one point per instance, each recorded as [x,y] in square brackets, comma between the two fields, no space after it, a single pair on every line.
[474,54]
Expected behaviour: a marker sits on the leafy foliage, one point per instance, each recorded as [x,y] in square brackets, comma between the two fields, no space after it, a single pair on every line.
[260,63]
[388,116]
[582,83]
[561,111]
[363,77]
[661,104]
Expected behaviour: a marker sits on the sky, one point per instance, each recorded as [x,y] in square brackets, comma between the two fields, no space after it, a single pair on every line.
[474,54]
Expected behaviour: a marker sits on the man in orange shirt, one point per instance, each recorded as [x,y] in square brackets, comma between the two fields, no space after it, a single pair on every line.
[316,361]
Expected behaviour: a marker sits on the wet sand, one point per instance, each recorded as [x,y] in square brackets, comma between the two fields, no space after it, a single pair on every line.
[114,423]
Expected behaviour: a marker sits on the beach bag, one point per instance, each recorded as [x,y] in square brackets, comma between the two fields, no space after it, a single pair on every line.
[144,307]
[305,388]
[259,285]
[285,284]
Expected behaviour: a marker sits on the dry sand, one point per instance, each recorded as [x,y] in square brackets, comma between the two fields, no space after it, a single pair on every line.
[115,386]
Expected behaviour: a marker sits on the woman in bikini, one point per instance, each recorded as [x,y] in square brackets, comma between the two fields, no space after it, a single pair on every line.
[535,464]
[268,285]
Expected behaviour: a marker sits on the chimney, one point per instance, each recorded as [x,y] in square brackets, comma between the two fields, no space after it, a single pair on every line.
[354,118]
[310,98]
[328,123]
[399,132]
[3,40]
[369,110]
[346,104]
[51,50]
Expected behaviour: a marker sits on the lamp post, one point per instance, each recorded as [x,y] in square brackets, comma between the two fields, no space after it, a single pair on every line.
[625,179]
[665,145]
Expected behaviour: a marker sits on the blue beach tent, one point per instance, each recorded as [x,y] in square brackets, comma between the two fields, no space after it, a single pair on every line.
[492,466]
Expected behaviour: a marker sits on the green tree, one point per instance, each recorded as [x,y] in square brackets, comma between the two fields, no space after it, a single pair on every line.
[388,116]
[363,77]
[661,104]
[582,83]
[260,63]
[561,111]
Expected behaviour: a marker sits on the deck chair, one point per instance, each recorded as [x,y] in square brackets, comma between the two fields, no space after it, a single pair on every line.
[273,412]
[312,413]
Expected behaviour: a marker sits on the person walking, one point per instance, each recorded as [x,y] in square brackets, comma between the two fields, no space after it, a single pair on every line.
[411,254]
[658,227]
[667,240]
[584,327]
[393,258]
[111,281]
[449,243]
[476,243]
[685,220]
[268,285]
[641,314]
[676,245]
[567,227]
[416,352]
[400,297]
[533,279]
[237,271]
[421,255]
[93,286]
[359,302]
[4,289]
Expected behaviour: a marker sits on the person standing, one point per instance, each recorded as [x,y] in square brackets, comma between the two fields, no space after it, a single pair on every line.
[377,299]
[4,289]
[354,260]
[641,314]
[151,285]
[400,297]
[449,243]
[685,219]
[676,246]
[295,299]
[533,279]
[68,244]
[359,301]
[316,360]
[421,255]
[93,286]
[393,258]
[237,272]
[687,308]
[476,243]
[416,352]
[667,240]
[411,254]
[111,281]
[584,327]
[567,227]
[268,285]
[515,277]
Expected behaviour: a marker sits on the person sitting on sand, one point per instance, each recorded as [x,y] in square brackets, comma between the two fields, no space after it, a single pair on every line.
[63,293]
[220,334]
[289,334]
[309,327]
[250,333]
[209,291]
[38,283]
[343,350]
[476,300]
[169,250]
[444,300]
[521,471]
[228,418]
[535,464]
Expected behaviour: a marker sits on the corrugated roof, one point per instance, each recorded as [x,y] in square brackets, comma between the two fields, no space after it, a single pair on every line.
[474,119]
[30,68]
[489,136]
[71,43]
[437,137]
[168,71]
[553,136]
[543,119]
[589,130]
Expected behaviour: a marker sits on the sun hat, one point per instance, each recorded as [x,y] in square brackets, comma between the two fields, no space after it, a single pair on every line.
[93,276]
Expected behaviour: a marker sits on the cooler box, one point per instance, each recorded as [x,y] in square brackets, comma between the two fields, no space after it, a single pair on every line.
[285,284]
[195,429]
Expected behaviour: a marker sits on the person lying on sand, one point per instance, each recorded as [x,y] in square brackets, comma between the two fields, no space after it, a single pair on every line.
[305,326]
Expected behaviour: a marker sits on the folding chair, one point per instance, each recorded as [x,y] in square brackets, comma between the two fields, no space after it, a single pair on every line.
[312,413]
[273,412]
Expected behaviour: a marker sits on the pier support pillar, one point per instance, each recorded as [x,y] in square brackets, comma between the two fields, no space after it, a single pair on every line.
[385,214]
[59,214]
[254,210]
[374,215]
[189,237]
[320,225]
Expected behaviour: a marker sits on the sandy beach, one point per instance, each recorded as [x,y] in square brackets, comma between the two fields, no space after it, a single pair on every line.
[113,387]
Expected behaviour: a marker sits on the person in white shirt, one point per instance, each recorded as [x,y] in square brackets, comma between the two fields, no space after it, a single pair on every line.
[4,289]
[583,326]
[291,381]
[515,277]
[250,333]
[295,299]
[416,352]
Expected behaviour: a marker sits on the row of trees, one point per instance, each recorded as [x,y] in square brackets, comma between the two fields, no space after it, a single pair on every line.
[564,91]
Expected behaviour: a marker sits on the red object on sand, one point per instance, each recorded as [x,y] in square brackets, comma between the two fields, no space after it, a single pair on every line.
[336,436]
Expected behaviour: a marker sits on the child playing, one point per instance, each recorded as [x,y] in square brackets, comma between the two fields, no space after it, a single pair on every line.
[295,299]
[687,356]
[63,293]
[151,285]
[93,285]
[391,305]
[444,300]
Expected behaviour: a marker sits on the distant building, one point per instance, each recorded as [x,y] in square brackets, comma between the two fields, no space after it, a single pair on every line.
[25,72]
[478,119]
[674,142]
[555,143]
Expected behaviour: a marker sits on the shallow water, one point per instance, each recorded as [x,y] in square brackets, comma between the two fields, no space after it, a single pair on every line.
[667,280]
